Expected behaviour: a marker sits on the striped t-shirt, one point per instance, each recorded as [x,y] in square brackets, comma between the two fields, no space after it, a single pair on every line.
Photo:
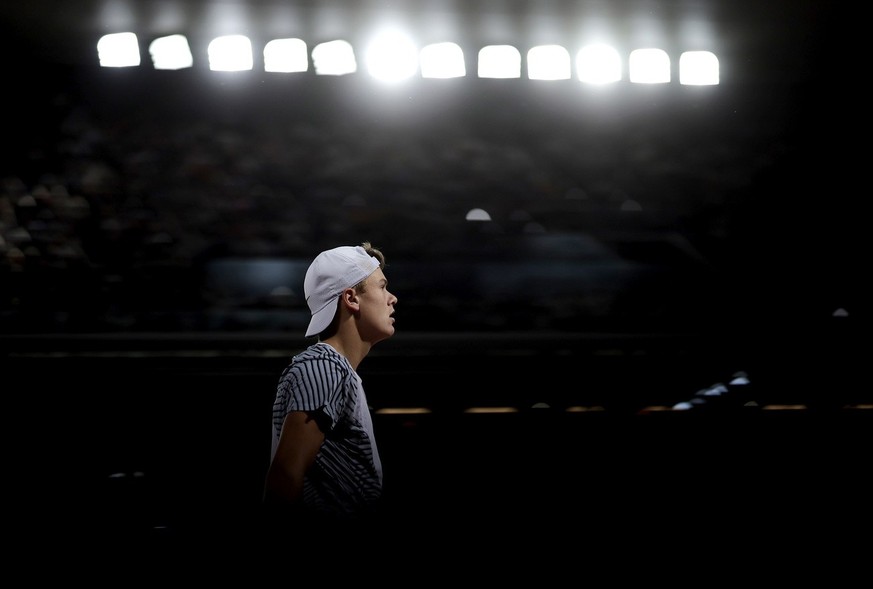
[346,478]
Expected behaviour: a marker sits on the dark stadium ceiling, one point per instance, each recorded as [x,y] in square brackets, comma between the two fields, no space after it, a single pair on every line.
[66,31]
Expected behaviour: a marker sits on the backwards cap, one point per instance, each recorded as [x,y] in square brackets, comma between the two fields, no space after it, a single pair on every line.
[330,273]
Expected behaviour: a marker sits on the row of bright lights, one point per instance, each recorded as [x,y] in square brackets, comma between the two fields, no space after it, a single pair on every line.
[395,58]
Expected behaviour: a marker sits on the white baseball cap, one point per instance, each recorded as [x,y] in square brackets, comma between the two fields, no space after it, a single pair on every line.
[330,273]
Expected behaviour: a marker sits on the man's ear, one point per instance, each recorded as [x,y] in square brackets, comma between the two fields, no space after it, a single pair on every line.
[350,299]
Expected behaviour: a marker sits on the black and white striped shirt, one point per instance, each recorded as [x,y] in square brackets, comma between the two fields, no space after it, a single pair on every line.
[346,479]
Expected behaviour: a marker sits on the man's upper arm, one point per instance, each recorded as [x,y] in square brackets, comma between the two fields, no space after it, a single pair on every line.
[299,441]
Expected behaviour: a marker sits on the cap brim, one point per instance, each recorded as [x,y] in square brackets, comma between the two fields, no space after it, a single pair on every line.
[321,319]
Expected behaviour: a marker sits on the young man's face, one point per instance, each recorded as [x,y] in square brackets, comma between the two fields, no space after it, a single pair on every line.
[376,308]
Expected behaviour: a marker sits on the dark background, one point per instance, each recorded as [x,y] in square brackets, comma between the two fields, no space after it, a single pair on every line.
[645,245]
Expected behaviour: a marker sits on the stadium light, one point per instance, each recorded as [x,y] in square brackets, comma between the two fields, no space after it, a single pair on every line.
[649,66]
[391,57]
[118,50]
[598,64]
[230,53]
[442,60]
[548,62]
[499,61]
[286,55]
[334,58]
[698,68]
[171,53]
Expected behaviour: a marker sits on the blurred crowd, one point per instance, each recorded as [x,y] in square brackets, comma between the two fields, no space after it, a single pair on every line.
[112,215]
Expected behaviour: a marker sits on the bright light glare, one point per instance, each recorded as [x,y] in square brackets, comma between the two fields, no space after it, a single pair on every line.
[334,58]
[499,61]
[548,62]
[118,50]
[286,55]
[698,68]
[391,57]
[598,64]
[442,60]
[478,214]
[171,53]
[649,66]
[230,53]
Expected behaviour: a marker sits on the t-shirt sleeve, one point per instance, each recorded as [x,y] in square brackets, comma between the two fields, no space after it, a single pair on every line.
[315,386]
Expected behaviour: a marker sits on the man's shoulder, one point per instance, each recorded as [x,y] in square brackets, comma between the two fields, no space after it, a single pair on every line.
[318,352]
[318,357]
